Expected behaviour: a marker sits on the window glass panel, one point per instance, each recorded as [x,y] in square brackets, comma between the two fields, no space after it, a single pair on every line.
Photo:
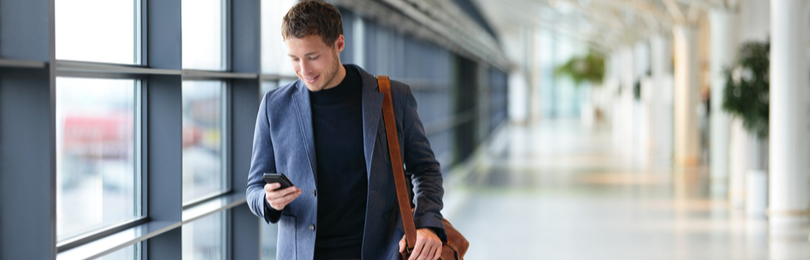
[267,86]
[203,30]
[131,252]
[204,239]
[203,158]
[96,171]
[97,30]
[269,237]
[285,81]
[274,51]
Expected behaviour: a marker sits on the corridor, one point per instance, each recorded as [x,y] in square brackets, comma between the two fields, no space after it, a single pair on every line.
[557,190]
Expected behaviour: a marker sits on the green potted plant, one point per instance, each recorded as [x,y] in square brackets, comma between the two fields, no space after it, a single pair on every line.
[747,86]
[590,68]
[746,97]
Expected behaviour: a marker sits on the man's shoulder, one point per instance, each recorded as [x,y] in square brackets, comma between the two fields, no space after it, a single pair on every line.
[400,89]
[284,92]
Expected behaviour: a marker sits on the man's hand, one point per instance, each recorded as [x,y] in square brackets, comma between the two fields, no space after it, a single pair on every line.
[278,199]
[428,245]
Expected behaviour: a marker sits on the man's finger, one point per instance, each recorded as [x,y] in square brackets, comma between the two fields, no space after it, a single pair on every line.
[283,192]
[279,203]
[438,252]
[402,245]
[427,251]
[417,249]
[270,187]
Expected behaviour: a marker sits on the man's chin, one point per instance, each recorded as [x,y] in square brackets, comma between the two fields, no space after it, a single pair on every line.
[313,88]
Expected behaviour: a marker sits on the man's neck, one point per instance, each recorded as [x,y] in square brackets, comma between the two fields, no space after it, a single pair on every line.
[339,76]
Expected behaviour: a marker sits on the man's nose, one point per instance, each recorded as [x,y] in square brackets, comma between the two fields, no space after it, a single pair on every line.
[304,65]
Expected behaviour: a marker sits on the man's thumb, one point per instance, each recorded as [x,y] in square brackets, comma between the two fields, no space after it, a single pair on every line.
[402,245]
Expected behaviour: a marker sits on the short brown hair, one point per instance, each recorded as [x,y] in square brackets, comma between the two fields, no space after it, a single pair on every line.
[313,18]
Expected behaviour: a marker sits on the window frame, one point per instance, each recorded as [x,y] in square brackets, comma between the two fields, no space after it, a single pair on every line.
[225,123]
[138,172]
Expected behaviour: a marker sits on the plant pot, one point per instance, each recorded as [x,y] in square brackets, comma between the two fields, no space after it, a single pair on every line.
[756,193]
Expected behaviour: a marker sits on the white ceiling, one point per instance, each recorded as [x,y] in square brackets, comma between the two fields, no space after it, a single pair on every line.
[604,24]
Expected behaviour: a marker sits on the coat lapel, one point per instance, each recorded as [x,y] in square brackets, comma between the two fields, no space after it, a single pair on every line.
[372,106]
[304,110]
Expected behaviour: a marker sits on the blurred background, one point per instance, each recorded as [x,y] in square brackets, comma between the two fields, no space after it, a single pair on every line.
[566,129]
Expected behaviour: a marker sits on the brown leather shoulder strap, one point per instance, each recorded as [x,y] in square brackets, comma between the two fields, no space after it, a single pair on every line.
[396,161]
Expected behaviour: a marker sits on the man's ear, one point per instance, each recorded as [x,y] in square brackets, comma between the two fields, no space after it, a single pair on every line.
[340,43]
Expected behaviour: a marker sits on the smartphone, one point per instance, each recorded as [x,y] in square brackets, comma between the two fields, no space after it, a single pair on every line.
[277,177]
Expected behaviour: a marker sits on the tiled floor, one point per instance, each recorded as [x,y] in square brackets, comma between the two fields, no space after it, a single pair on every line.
[555,190]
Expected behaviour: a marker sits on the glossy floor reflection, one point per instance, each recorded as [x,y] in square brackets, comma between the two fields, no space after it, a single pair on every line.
[556,190]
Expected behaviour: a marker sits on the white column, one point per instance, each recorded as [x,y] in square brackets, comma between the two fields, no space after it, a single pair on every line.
[723,45]
[661,60]
[535,55]
[518,98]
[687,135]
[641,127]
[790,103]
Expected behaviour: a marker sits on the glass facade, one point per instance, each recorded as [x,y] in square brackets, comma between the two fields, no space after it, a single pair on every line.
[274,51]
[98,30]
[204,41]
[203,140]
[204,239]
[96,161]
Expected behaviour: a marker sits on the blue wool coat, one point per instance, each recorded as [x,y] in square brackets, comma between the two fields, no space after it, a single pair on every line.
[283,143]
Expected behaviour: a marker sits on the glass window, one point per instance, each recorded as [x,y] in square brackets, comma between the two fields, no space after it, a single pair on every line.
[203,23]
[204,238]
[203,135]
[267,86]
[269,237]
[285,81]
[274,52]
[97,173]
[98,30]
[131,252]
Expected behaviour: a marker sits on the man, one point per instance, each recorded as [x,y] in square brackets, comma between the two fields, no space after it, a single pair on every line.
[325,132]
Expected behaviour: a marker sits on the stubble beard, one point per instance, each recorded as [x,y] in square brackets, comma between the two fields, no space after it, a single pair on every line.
[331,73]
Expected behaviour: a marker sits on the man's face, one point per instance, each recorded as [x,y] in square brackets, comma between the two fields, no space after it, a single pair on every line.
[315,63]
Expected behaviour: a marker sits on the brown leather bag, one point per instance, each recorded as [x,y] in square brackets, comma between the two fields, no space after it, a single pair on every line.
[456,244]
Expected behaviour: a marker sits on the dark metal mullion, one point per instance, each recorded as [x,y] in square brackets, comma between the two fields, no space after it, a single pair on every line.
[144,146]
[137,54]
[22,64]
[269,77]
[80,66]
[52,124]
[227,39]
[192,74]
[143,159]
[97,75]
[227,126]
[144,34]
[227,232]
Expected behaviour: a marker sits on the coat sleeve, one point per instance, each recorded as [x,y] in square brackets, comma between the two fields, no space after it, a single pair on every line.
[262,160]
[423,167]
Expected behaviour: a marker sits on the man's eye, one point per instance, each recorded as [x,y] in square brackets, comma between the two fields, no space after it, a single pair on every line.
[294,59]
[314,58]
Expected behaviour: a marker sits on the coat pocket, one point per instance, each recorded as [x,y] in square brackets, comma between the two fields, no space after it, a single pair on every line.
[286,237]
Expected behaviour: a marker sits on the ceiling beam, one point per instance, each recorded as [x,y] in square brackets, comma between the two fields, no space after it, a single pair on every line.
[675,10]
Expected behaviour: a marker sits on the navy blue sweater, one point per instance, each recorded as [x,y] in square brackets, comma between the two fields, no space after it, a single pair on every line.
[337,126]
